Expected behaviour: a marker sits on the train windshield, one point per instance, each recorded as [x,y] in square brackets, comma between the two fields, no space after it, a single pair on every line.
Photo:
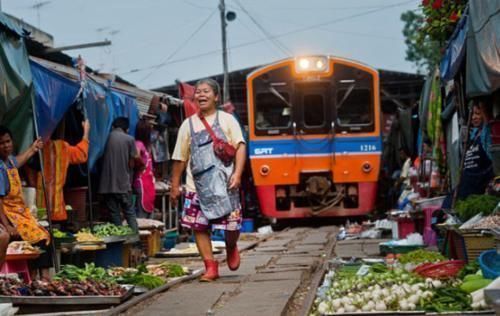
[273,111]
[354,101]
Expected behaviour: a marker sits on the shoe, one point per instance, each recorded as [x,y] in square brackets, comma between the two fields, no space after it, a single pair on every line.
[233,258]
[211,271]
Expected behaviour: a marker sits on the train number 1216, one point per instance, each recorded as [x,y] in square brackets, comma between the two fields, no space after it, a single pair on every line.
[368,147]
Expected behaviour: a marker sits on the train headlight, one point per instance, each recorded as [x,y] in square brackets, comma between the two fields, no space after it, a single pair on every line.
[312,64]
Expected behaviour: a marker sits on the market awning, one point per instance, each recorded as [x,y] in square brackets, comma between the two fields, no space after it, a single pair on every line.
[16,98]
[483,48]
[54,94]
[455,52]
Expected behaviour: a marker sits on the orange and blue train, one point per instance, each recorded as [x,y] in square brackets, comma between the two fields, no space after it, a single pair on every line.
[314,137]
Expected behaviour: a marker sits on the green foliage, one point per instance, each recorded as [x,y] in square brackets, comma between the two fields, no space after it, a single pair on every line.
[475,204]
[90,272]
[421,50]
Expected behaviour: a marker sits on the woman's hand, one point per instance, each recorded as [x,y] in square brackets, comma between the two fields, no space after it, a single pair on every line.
[175,194]
[86,129]
[234,182]
[37,145]
[12,231]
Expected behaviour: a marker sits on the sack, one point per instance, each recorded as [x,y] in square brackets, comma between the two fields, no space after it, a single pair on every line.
[222,149]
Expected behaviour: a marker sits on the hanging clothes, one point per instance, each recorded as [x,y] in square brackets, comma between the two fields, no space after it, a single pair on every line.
[478,169]
[57,156]
[15,209]
[144,180]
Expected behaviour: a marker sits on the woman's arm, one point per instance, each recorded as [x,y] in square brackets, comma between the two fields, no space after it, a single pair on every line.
[239,166]
[178,168]
[28,153]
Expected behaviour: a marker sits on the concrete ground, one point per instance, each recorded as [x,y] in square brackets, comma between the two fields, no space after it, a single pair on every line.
[274,279]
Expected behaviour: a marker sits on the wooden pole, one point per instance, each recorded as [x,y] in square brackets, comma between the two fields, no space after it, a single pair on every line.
[45,194]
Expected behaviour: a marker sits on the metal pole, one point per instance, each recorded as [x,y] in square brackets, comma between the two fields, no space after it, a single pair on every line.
[45,194]
[225,87]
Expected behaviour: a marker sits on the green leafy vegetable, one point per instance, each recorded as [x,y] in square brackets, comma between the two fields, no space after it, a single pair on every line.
[421,256]
[90,271]
[475,204]
[108,229]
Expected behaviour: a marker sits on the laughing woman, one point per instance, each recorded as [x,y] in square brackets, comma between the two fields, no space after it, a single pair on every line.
[212,147]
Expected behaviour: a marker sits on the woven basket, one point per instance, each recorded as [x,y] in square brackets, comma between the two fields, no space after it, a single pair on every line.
[475,244]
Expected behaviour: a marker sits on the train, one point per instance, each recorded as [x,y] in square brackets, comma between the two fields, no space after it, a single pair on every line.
[314,131]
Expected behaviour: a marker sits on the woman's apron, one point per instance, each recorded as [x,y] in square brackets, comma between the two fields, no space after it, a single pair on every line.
[478,170]
[145,181]
[211,176]
[18,214]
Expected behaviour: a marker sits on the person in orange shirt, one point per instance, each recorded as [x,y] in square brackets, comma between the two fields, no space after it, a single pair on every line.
[57,156]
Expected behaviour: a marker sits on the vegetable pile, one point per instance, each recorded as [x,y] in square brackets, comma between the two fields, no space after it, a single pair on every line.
[90,272]
[59,234]
[108,229]
[420,256]
[475,204]
[85,235]
[379,288]
[139,277]
[12,287]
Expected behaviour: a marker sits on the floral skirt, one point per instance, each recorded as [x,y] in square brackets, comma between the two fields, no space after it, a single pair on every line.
[194,218]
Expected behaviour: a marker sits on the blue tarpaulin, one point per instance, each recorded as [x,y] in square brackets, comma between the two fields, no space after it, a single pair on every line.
[455,52]
[100,116]
[125,105]
[102,106]
[54,94]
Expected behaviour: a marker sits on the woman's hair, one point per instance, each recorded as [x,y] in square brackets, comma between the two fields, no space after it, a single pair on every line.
[5,130]
[212,83]
[143,132]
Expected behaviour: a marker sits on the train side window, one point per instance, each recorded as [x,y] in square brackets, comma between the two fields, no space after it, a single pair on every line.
[314,110]
[271,112]
[354,106]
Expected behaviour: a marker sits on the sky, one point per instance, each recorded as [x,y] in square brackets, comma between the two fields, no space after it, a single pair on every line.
[155,42]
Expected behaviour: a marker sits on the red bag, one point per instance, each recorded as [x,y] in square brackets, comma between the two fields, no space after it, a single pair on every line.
[222,149]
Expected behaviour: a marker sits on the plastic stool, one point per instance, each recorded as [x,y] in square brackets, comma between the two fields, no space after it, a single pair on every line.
[430,237]
[17,266]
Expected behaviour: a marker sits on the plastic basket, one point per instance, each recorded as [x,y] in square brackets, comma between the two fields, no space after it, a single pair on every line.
[489,261]
[441,270]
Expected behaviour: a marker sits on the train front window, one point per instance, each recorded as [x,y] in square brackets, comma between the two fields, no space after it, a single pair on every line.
[354,106]
[314,110]
[272,112]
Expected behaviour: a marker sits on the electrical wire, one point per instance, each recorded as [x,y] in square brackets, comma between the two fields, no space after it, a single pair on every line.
[272,39]
[183,44]
[298,30]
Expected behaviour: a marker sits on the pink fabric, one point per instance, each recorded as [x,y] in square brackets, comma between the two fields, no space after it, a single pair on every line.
[144,180]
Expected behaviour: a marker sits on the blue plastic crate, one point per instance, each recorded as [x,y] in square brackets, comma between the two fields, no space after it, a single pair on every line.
[112,256]
[489,261]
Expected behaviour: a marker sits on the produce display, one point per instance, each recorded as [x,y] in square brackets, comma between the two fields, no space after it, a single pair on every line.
[139,277]
[90,272]
[165,269]
[59,234]
[21,247]
[420,256]
[108,229]
[13,287]
[475,204]
[85,235]
[489,222]
[380,288]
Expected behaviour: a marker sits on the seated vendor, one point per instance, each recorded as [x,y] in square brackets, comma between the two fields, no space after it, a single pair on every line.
[14,215]
[477,169]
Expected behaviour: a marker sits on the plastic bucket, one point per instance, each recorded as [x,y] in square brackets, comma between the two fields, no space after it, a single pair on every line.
[495,158]
[170,240]
[489,261]
[247,225]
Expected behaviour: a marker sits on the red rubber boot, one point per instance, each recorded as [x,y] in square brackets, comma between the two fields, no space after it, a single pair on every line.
[211,271]
[233,258]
